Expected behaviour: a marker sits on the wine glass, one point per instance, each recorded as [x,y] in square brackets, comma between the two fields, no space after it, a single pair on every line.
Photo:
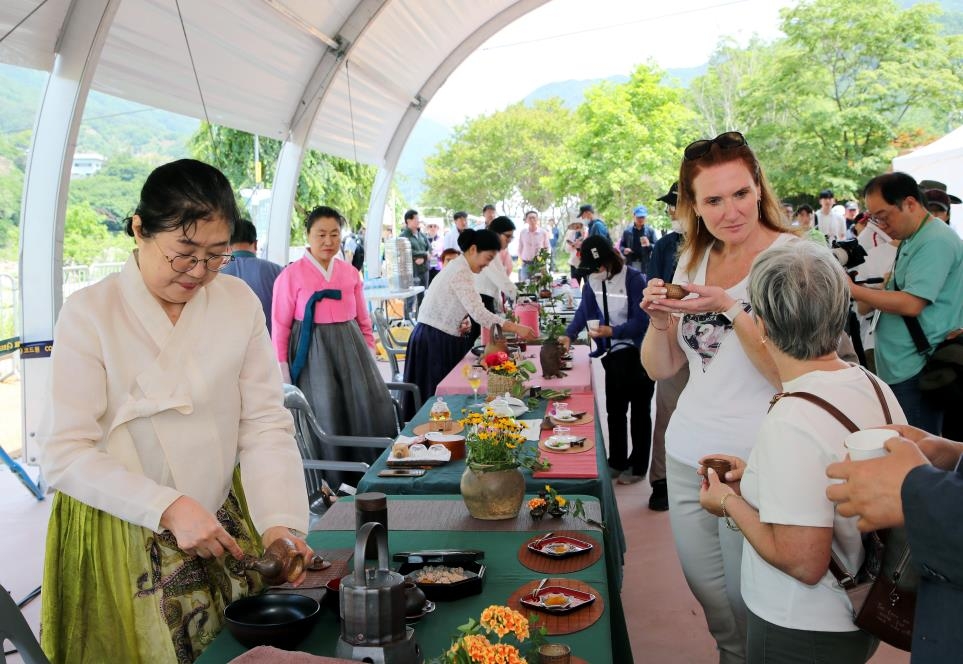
[474,381]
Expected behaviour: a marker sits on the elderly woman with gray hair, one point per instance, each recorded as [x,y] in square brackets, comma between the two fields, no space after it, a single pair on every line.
[797,612]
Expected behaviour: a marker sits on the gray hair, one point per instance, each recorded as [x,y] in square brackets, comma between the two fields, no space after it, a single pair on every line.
[800,292]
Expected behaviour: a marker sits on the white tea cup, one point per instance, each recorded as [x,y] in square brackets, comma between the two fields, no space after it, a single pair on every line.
[868,444]
[593,324]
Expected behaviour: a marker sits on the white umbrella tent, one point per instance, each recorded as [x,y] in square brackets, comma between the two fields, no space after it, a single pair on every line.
[941,160]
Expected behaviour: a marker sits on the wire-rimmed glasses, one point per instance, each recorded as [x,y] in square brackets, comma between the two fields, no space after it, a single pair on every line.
[182,263]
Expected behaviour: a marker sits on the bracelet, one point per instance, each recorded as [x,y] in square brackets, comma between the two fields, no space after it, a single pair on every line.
[730,524]
[660,329]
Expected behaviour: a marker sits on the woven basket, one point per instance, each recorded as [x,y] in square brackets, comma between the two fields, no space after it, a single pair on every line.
[499,385]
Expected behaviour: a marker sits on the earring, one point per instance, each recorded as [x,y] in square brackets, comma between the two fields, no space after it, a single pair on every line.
[763,339]
[698,220]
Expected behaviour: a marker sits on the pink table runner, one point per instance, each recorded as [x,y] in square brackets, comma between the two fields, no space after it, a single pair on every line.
[577,379]
[569,465]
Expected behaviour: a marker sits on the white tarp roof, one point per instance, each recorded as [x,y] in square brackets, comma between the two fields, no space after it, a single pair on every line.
[941,160]
[255,59]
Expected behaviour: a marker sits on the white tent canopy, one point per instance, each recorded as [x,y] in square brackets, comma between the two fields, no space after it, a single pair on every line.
[347,77]
[941,160]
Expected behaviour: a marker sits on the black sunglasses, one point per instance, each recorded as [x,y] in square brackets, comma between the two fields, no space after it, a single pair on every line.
[726,141]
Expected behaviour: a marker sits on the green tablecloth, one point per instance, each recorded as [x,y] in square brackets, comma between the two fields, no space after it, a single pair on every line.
[504,575]
[447,479]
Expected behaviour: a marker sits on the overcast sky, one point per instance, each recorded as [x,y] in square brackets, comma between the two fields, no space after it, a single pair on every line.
[587,39]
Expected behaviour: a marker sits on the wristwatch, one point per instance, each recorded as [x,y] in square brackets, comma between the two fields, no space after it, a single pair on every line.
[733,311]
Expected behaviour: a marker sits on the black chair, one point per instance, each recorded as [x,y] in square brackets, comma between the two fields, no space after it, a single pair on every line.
[316,447]
[14,627]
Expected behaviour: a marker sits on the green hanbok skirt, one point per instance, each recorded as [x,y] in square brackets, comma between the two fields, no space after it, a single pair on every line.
[117,592]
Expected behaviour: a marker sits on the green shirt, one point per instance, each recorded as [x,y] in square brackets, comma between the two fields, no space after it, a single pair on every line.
[929,265]
[420,247]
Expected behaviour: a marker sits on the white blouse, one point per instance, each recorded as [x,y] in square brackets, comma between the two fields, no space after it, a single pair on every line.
[451,295]
[141,411]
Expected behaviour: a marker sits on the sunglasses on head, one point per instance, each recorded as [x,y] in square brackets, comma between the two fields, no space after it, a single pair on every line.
[725,141]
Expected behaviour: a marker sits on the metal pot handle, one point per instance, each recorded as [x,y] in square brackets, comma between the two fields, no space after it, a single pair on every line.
[361,543]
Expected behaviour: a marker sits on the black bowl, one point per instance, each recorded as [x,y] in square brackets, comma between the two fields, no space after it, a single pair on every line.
[279,619]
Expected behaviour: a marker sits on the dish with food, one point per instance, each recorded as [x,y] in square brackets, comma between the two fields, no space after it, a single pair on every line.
[558,442]
[560,546]
[558,599]
[440,574]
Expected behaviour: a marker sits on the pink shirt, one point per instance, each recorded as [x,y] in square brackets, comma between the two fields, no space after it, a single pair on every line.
[295,286]
[530,243]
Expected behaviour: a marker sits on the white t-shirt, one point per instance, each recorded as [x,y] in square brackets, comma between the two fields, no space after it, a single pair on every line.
[726,397]
[786,481]
[831,224]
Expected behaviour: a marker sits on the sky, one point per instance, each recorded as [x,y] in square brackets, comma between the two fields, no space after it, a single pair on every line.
[589,39]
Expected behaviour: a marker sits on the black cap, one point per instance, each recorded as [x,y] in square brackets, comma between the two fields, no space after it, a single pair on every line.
[586,208]
[932,184]
[594,251]
[826,193]
[671,198]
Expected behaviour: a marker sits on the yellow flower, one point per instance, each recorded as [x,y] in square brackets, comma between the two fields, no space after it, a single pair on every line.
[535,503]
[561,501]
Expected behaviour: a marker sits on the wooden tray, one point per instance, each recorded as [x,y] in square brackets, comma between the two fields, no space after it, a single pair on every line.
[561,623]
[587,418]
[319,579]
[454,426]
[588,445]
[541,563]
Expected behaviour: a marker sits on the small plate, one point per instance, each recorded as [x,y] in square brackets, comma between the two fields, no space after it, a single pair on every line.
[560,546]
[565,420]
[576,599]
[555,443]
[425,610]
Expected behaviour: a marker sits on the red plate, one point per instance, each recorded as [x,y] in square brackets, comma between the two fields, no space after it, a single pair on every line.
[572,546]
[577,599]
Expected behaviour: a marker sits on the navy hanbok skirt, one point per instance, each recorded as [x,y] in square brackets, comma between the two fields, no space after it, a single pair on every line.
[430,356]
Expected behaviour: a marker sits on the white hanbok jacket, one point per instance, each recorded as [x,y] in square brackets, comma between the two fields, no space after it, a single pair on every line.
[141,411]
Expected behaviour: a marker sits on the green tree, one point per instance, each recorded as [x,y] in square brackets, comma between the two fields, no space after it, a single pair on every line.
[506,156]
[113,191]
[87,240]
[324,179]
[625,146]
[831,104]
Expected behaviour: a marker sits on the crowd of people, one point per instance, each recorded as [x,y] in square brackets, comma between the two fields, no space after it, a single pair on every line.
[166,432]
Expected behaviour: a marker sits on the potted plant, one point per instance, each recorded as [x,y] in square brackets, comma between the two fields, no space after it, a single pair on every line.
[492,485]
[551,352]
[485,640]
[539,277]
[505,375]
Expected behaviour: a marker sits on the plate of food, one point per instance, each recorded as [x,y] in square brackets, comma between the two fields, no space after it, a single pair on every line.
[559,442]
[444,575]
[558,599]
[560,546]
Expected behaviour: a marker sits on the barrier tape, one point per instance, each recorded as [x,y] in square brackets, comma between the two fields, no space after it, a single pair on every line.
[31,350]
[8,346]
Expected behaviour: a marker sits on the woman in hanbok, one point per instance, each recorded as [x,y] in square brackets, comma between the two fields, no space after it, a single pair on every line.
[322,336]
[166,438]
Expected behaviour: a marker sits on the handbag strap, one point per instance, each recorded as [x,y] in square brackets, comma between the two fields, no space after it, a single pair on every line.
[912,322]
[605,313]
[843,577]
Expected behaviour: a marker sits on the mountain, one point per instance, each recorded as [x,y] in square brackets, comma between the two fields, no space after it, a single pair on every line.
[422,143]
[110,125]
[570,92]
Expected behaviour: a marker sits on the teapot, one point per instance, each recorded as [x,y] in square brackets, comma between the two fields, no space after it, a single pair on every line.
[501,407]
[281,562]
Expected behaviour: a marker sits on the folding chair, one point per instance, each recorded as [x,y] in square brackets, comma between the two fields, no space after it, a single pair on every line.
[14,627]
[312,442]
[394,347]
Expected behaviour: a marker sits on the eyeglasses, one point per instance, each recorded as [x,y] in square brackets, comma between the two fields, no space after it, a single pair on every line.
[183,264]
[726,141]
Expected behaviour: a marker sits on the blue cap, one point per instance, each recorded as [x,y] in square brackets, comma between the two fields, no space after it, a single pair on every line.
[641,211]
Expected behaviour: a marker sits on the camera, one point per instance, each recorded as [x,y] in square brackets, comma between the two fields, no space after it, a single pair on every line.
[849,253]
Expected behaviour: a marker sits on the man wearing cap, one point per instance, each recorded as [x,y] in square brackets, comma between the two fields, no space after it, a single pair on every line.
[662,264]
[852,209]
[530,241]
[595,225]
[638,240]
[938,202]
[831,224]
[923,296]
[460,222]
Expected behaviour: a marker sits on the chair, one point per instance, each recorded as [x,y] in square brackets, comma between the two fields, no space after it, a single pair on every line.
[394,347]
[14,627]
[312,440]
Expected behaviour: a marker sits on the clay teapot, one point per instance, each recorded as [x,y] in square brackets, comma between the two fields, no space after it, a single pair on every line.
[550,357]
[281,562]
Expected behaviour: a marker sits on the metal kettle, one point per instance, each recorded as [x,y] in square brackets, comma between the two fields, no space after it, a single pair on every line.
[372,600]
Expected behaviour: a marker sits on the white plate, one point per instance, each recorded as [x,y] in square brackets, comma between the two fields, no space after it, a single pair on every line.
[554,443]
[570,418]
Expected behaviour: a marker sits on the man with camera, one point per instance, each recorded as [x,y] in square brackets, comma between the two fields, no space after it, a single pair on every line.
[925,290]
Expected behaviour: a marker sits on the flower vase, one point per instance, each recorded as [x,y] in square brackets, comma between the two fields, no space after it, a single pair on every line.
[498,385]
[492,495]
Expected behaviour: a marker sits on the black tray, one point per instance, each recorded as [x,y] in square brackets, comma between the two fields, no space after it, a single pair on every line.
[444,592]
